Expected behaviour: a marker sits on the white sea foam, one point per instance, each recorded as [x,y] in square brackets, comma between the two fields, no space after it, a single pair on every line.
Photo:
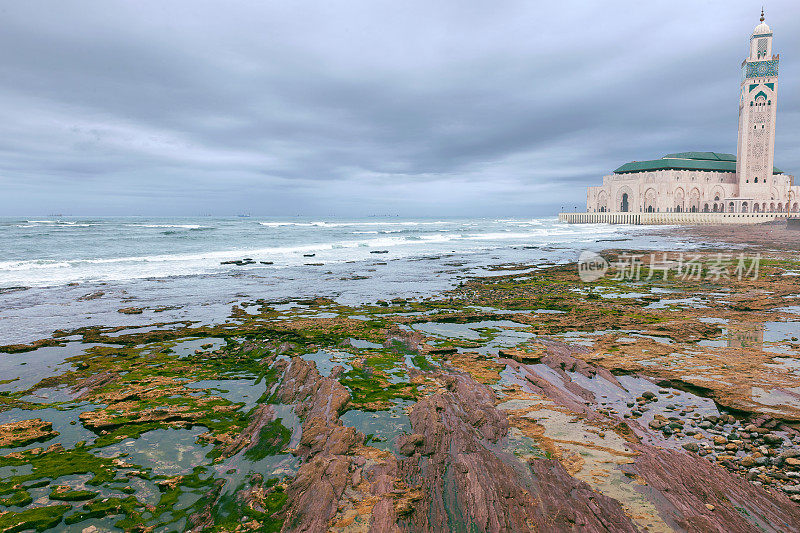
[324,224]
[106,254]
[181,226]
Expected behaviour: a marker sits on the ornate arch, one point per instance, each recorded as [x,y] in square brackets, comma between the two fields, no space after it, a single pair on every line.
[650,196]
[621,199]
[602,201]
[679,200]
[693,203]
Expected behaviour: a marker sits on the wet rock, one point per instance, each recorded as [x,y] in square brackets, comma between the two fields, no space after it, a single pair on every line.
[793,462]
[658,423]
[91,296]
[239,262]
[689,483]
[647,395]
[443,350]
[691,446]
[519,355]
[248,438]
[25,432]
[86,386]
[408,444]
[314,494]
[567,504]
[747,461]
[462,470]
[109,419]
[130,310]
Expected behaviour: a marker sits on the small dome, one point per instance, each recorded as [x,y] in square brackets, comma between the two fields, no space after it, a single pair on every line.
[762,29]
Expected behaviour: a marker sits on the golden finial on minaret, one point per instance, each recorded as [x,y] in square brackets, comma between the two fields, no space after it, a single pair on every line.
[762,13]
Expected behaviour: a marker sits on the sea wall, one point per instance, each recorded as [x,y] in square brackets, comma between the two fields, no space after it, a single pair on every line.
[669,218]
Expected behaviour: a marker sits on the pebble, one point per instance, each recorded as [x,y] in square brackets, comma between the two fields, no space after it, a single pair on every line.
[769,438]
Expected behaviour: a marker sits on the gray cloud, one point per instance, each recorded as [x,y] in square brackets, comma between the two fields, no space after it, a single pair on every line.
[356,108]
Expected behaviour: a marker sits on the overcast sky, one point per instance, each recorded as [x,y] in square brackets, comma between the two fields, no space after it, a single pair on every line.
[355,108]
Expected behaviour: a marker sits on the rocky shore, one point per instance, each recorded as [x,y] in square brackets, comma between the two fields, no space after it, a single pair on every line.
[527,400]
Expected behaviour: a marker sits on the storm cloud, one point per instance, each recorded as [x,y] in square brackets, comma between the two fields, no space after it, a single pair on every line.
[364,107]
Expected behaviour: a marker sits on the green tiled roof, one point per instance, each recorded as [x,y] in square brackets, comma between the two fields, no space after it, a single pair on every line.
[704,161]
[706,156]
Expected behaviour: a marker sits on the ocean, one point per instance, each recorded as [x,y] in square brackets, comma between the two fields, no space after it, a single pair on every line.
[69,272]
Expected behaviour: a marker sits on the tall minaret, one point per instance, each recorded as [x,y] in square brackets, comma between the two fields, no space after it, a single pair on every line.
[757,104]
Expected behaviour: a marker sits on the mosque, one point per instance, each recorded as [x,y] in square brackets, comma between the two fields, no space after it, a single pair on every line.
[718,187]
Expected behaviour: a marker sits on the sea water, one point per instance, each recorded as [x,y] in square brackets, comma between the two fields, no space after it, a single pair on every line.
[67,272]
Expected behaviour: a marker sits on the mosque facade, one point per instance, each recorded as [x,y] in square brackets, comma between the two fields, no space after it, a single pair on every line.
[712,182]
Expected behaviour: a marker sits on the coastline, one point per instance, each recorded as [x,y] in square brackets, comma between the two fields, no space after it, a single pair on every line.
[526,399]
[774,236]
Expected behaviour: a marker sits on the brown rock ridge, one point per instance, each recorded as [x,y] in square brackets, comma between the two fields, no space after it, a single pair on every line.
[690,492]
[471,484]
[320,482]
[697,495]
[343,485]
[263,415]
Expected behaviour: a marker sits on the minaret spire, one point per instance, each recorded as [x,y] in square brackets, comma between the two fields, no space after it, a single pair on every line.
[755,150]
